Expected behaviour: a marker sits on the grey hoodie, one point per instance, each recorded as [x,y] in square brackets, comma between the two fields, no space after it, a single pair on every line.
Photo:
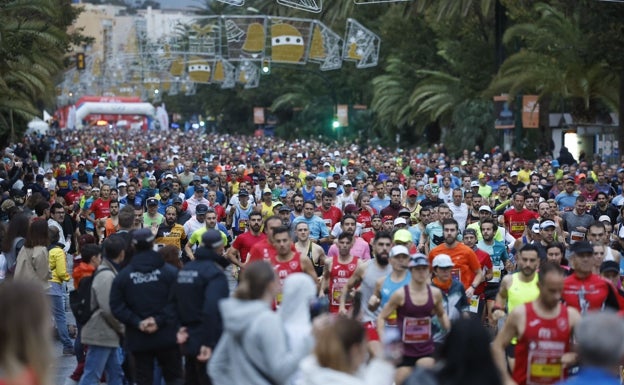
[254,327]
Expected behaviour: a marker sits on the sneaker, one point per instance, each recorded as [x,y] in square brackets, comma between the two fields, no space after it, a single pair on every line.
[68,351]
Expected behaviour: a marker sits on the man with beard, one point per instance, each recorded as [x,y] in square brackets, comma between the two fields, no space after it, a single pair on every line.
[366,276]
[375,228]
[395,203]
[517,289]
[359,248]
[584,290]
[237,254]
[500,261]
[111,224]
[381,200]
[467,268]
[547,236]
[543,330]
[306,247]
[434,233]
[566,199]
[297,209]
[603,207]
[170,232]
[577,221]
[165,198]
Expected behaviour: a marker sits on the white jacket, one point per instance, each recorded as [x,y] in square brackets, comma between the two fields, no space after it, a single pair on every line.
[378,372]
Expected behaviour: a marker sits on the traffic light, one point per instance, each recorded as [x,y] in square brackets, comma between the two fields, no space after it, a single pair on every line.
[266,66]
[80,61]
[335,122]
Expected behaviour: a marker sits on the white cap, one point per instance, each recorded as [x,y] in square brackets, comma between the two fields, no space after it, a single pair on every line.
[604,218]
[326,164]
[397,250]
[442,260]
[347,182]
[400,221]
[536,228]
[474,183]
[336,153]
[548,223]
[485,208]
[332,185]
[513,173]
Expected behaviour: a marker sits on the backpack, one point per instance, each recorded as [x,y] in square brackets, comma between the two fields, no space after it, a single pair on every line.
[11,256]
[80,299]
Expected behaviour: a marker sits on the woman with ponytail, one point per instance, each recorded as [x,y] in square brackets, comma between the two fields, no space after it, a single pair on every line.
[254,349]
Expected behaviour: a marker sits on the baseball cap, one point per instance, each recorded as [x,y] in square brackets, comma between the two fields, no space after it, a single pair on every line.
[284,208]
[122,184]
[310,177]
[474,183]
[405,211]
[267,191]
[547,224]
[351,208]
[485,208]
[535,228]
[152,202]
[455,169]
[81,163]
[387,218]
[199,188]
[332,185]
[201,209]
[513,173]
[442,260]
[347,182]
[581,247]
[412,193]
[400,221]
[470,231]
[402,235]
[326,164]
[243,193]
[142,236]
[418,260]
[604,218]
[179,200]
[152,177]
[607,266]
[398,250]
[62,166]
[555,163]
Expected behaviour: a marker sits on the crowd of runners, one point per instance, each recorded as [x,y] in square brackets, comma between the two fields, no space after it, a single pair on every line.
[222,259]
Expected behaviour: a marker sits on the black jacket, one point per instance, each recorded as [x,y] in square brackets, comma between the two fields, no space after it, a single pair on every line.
[201,285]
[144,289]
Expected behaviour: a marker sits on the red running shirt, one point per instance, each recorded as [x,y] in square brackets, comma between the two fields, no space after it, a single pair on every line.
[338,278]
[539,350]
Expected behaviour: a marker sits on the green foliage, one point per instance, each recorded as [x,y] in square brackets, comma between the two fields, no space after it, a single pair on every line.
[33,42]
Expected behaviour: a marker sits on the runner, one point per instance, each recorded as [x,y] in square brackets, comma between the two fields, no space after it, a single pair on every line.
[543,328]
[305,246]
[337,271]
[415,304]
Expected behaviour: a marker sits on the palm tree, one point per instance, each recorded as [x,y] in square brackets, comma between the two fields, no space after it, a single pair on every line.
[33,42]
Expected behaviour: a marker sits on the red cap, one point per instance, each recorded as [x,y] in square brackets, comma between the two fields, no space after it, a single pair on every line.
[412,193]
[388,218]
[351,208]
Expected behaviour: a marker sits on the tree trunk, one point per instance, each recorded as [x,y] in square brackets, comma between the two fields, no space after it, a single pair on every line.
[620,129]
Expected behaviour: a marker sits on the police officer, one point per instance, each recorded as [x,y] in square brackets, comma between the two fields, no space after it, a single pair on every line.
[141,299]
[201,284]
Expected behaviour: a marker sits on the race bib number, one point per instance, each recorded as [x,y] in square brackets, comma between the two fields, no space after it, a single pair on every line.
[474,304]
[242,224]
[416,330]
[517,227]
[328,223]
[392,319]
[544,362]
[336,293]
[576,236]
[496,274]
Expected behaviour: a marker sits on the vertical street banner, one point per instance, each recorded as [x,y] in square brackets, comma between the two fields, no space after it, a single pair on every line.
[530,111]
[504,113]
[342,112]
[258,115]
